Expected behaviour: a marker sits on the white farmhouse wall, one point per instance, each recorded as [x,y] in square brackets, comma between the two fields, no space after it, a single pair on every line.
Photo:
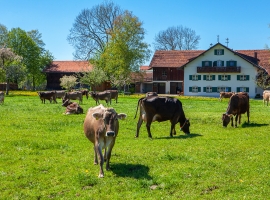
[246,69]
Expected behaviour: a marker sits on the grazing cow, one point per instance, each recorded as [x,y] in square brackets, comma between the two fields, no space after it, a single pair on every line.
[148,94]
[50,95]
[114,94]
[72,107]
[225,95]
[101,128]
[2,97]
[72,96]
[101,96]
[85,92]
[266,97]
[238,104]
[161,109]
[60,94]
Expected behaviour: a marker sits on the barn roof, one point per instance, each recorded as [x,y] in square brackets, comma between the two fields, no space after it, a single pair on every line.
[68,67]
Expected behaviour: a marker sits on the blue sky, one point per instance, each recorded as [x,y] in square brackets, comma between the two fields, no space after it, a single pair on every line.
[244,22]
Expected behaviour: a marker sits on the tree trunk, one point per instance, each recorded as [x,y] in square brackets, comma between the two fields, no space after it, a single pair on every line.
[7,87]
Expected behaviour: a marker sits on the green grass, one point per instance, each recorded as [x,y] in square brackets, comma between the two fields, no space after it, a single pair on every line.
[45,155]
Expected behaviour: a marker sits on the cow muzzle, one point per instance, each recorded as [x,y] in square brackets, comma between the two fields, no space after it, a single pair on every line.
[110,134]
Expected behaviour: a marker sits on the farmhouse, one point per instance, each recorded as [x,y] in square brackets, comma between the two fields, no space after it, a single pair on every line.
[208,72]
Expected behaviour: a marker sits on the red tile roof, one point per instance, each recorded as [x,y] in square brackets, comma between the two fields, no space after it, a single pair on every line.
[68,66]
[144,67]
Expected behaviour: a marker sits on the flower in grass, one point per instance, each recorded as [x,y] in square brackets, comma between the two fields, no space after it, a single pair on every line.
[86,171]
[241,181]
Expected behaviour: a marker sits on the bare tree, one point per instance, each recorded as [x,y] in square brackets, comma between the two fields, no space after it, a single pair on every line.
[176,38]
[89,34]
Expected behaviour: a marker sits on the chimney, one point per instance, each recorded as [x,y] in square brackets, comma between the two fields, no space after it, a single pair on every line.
[255,54]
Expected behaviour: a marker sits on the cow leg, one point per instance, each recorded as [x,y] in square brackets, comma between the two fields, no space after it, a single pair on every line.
[139,124]
[101,160]
[236,118]
[173,132]
[232,121]
[239,120]
[95,157]
[148,126]
[108,155]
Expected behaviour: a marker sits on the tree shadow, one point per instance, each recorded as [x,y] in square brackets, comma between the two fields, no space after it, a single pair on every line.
[186,136]
[245,124]
[136,171]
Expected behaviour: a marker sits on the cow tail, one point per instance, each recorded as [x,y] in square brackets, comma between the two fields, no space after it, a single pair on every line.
[138,106]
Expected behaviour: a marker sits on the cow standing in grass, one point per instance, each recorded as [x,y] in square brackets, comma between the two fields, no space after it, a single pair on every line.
[101,127]
[114,94]
[105,95]
[266,97]
[238,104]
[50,95]
[73,96]
[156,108]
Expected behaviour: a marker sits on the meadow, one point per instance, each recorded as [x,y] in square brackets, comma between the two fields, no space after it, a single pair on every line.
[45,155]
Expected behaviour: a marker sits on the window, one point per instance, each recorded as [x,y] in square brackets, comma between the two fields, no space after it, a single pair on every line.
[208,77]
[219,63]
[219,52]
[224,77]
[242,77]
[223,89]
[194,77]
[209,89]
[195,89]
[207,63]
[164,73]
[231,63]
[242,89]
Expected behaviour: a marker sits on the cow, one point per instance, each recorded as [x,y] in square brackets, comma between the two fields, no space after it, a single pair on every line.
[238,104]
[85,92]
[161,109]
[266,96]
[60,94]
[105,95]
[49,95]
[101,127]
[225,95]
[72,107]
[2,97]
[114,94]
[72,96]
[148,94]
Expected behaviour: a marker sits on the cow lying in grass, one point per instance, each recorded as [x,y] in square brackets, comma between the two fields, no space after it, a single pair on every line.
[72,107]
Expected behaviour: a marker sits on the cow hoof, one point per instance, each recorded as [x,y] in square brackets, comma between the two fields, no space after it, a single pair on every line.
[101,176]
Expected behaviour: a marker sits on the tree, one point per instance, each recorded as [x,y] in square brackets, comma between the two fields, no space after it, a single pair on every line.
[263,80]
[93,78]
[125,50]
[68,82]
[9,66]
[3,35]
[89,34]
[176,38]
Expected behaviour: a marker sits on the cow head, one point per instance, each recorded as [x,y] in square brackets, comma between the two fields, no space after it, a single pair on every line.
[66,103]
[185,127]
[110,120]
[226,119]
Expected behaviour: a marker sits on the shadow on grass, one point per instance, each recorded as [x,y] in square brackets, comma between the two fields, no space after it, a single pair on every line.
[131,170]
[245,124]
[181,136]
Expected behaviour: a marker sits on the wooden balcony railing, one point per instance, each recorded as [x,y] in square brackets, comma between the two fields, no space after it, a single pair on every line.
[219,69]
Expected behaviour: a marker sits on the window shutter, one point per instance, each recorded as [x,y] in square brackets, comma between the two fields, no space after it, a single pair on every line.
[238,77]
[229,77]
[204,77]
[222,63]
[203,63]
[214,89]
[199,77]
[247,77]
[210,63]
[235,64]
[215,64]
[219,77]
[204,89]
[238,89]
[227,63]
[190,77]
[215,52]
[190,89]
[229,89]
[247,89]
[199,89]
[222,51]
[213,77]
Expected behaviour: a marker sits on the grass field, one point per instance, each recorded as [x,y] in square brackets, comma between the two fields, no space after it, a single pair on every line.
[45,155]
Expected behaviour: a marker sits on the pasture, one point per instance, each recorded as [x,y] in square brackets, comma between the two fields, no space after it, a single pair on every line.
[45,155]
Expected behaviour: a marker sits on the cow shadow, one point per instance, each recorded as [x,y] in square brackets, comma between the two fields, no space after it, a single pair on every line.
[245,125]
[186,136]
[136,171]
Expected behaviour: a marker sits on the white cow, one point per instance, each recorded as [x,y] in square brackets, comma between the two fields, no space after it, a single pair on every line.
[266,96]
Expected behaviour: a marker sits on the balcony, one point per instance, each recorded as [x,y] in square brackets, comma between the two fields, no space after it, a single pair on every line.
[219,69]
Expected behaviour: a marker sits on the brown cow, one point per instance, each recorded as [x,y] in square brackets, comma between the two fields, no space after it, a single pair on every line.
[161,109]
[73,96]
[148,94]
[114,94]
[266,97]
[101,128]
[225,95]
[85,92]
[60,94]
[2,97]
[101,96]
[72,107]
[50,95]
[238,104]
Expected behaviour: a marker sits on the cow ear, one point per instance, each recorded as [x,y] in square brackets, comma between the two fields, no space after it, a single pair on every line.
[97,115]
[121,116]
